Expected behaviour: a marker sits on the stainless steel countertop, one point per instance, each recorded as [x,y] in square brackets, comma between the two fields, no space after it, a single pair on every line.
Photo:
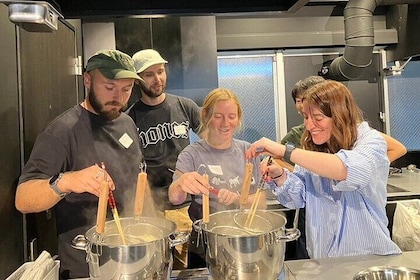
[407,180]
[346,267]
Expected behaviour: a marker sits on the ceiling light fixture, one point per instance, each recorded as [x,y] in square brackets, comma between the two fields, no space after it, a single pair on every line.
[33,16]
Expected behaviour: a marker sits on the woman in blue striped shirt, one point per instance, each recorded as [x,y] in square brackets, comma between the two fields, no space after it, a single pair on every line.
[340,176]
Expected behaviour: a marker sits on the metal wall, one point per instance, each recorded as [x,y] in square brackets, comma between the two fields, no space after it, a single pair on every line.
[11,242]
[48,88]
[38,83]
[367,91]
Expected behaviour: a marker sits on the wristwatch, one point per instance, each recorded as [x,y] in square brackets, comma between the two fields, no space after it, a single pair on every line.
[289,149]
[54,184]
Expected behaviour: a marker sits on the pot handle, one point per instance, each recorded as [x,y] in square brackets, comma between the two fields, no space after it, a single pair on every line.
[80,243]
[290,235]
[179,238]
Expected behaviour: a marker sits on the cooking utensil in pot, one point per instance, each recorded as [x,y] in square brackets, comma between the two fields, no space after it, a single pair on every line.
[256,225]
[248,223]
[140,191]
[111,201]
[102,207]
[113,205]
[206,203]
[246,184]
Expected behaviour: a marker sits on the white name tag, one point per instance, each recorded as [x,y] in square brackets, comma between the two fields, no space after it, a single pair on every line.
[215,169]
[126,140]
[180,129]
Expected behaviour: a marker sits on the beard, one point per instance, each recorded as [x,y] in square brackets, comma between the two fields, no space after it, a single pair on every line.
[150,93]
[100,109]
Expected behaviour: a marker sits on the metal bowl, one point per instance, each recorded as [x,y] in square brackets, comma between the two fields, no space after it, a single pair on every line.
[388,273]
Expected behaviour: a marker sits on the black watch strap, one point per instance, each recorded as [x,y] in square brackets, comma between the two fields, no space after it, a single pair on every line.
[289,149]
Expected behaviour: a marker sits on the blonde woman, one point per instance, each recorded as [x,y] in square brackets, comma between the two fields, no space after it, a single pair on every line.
[221,157]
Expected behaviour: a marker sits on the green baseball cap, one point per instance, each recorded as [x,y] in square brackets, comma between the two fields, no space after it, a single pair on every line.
[113,64]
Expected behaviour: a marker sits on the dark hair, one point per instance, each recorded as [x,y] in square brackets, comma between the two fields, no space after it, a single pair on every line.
[335,101]
[301,86]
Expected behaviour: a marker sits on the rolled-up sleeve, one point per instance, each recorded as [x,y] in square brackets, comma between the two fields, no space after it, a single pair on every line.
[366,162]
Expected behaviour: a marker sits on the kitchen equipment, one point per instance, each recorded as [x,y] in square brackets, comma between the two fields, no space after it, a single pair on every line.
[413,168]
[113,205]
[147,254]
[246,184]
[244,255]
[206,203]
[261,225]
[101,214]
[141,190]
[388,273]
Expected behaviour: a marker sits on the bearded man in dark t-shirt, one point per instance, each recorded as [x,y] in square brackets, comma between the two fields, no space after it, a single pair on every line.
[164,121]
[63,171]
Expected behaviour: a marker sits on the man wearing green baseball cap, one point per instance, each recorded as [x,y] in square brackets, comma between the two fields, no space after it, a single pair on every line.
[65,172]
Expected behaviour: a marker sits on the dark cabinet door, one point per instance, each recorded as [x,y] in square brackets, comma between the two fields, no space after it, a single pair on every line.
[187,43]
[11,229]
[48,88]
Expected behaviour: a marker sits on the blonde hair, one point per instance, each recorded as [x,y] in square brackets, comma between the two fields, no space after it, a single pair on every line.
[334,100]
[214,96]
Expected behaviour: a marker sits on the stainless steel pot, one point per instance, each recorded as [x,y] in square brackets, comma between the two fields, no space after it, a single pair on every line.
[147,254]
[388,273]
[240,254]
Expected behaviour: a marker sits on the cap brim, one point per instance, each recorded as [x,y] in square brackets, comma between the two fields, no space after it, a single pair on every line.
[116,74]
[147,65]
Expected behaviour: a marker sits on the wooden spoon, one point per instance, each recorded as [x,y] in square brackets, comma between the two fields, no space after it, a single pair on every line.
[140,193]
[102,207]
[206,204]
[246,184]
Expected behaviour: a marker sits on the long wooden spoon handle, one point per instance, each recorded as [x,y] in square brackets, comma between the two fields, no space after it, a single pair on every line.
[206,204]
[102,207]
[246,184]
[140,193]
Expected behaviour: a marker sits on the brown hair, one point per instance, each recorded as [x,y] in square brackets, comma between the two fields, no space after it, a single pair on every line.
[214,96]
[334,100]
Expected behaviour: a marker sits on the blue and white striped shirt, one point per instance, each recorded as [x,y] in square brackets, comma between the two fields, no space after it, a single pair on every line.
[345,218]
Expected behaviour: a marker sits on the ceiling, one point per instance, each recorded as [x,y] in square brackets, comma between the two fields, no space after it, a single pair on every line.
[115,8]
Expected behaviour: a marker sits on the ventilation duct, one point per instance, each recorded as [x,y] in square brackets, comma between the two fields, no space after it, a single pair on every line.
[359,40]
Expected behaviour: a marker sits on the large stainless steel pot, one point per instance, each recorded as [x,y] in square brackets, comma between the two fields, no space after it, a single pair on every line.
[238,254]
[147,254]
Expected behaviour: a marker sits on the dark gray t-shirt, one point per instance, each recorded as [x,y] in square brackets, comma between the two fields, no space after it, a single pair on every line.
[164,132]
[225,168]
[75,140]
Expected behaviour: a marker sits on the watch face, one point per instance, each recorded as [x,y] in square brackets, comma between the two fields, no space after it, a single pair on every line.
[290,144]
[53,178]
